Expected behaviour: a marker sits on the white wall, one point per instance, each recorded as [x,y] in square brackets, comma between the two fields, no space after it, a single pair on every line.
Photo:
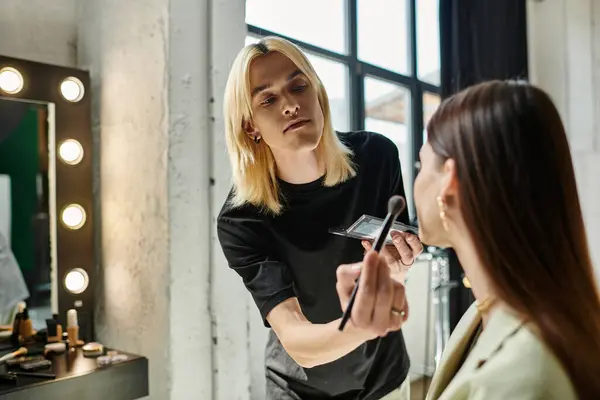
[158,68]
[229,299]
[125,47]
[564,51]
[39,30]
[418,331]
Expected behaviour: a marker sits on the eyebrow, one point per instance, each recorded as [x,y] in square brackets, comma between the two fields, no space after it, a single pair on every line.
[260,88]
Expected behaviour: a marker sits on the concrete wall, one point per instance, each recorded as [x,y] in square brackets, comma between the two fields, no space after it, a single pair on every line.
[39,30]
[158,68]
[125,48]
[232,312]
[564,49]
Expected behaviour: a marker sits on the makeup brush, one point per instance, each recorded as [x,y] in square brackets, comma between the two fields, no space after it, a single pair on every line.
[21,352]
[396,205]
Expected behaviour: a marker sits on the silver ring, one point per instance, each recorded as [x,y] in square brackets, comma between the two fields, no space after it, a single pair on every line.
[400,313]
[407,265]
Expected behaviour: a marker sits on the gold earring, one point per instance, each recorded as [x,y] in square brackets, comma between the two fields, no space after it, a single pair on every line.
[443,216]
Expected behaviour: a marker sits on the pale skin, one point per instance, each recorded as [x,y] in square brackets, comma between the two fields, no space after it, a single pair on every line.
[281,96]
[437,178]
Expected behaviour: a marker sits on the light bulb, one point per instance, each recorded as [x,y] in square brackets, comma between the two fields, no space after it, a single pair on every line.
[72,89]
[77,280]
[11,80]
[73,216]
[70,151]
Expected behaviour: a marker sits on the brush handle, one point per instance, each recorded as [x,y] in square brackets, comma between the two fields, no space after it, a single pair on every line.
[385,230]
[21,352]
[383,233]
[346,315]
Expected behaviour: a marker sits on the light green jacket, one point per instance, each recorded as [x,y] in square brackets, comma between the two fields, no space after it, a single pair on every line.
[508,361]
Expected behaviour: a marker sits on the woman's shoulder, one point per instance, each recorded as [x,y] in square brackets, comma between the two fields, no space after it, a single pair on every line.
[524,365]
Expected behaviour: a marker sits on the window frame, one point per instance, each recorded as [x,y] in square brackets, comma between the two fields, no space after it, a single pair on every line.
[359,69]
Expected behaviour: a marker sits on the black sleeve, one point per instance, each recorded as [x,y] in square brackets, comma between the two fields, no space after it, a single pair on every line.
[268,280]
[397,183]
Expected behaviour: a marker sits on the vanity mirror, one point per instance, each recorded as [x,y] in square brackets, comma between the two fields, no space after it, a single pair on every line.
[46,209]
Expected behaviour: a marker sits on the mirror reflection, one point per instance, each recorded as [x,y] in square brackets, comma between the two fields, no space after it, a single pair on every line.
[25,240]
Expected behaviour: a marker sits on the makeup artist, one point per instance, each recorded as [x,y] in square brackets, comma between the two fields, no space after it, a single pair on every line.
[295,178]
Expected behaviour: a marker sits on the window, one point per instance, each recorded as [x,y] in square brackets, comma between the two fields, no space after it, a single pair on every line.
[379,61]
[428,41]
[382,34]
[298,20]
[387,111]
[431,102]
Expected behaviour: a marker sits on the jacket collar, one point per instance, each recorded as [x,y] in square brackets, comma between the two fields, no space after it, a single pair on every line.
[501,325]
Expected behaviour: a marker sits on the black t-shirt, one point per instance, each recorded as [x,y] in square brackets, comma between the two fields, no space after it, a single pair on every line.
[294,255]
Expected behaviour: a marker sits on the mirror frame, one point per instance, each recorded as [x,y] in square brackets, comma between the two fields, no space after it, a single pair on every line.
[73,184]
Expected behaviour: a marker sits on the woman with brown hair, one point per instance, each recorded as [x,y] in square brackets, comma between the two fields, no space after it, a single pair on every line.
[497,185]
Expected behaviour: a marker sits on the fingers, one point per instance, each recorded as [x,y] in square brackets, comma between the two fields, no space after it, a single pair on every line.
[400,306]
[389,252]
[380,305]
[347,275]
[383,302]
[408,245]
[366,245]
[404,250]
[415,244]
[362,312]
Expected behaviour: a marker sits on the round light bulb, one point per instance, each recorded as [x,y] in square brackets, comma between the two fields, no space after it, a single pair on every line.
[70,151]
[11,80]
[72,89]
[73,216]
[77,280]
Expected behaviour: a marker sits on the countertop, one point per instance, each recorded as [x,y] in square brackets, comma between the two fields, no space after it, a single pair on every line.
[79,377]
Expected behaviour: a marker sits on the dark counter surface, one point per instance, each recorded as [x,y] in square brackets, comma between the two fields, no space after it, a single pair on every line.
[79,377]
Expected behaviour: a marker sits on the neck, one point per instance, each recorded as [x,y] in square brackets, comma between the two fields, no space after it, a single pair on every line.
[473,267]
[298,167]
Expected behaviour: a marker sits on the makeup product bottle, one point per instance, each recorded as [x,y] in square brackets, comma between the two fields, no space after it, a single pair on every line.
[16,331]
[26,329]
[72,328]
[57,348]
[55,331]
[93,349]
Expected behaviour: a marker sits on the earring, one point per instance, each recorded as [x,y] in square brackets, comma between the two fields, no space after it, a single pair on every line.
[256,139]
[443,216]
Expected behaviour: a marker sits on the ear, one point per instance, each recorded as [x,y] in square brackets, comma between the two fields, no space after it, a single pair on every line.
[449,182]
[250,130]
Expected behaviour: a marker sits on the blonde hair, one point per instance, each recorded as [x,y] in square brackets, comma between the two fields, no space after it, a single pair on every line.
[254,168]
